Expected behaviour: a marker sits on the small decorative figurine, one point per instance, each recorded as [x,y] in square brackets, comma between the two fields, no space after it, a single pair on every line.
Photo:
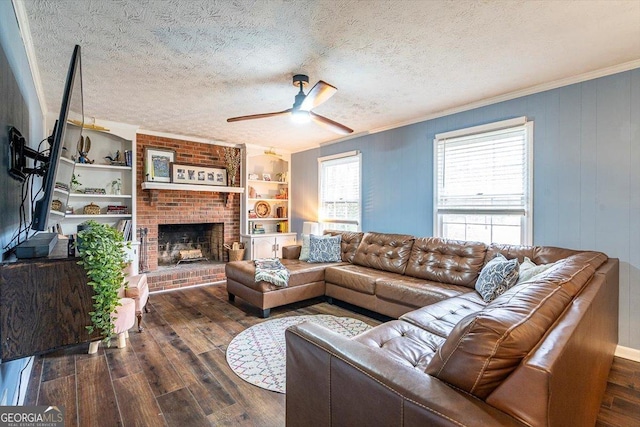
[84,145]
[116,160]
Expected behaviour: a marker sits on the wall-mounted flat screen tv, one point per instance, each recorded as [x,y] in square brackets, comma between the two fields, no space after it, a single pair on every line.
[50,209]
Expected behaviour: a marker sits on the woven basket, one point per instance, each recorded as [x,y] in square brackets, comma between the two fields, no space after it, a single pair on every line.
[91,209]
[236,254]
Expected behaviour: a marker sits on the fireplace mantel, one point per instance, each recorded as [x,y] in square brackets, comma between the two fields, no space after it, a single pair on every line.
[190,187]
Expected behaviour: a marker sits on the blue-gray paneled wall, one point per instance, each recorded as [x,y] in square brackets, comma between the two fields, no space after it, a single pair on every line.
[586,175]
[20,108]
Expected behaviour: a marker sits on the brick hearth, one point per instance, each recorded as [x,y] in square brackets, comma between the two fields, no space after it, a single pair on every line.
[184,207]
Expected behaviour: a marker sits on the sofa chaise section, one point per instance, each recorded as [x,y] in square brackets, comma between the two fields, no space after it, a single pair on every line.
[306,281]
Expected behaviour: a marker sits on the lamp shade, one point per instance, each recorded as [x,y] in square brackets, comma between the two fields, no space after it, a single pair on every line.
[309,227]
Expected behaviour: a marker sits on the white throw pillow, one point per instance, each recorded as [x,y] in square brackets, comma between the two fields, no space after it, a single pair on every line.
[528,270]
[304,252]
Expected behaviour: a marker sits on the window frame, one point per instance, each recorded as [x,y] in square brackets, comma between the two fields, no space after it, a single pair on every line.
[326,222]
[526,222]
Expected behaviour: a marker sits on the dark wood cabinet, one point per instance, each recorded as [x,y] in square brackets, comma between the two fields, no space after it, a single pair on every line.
[44,305]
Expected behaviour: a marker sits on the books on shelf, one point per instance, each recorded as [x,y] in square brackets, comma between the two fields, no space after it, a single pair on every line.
[117,210]
[61,186]
[125,227]
[281,212]
[89,190]
[258,228]
[282,227]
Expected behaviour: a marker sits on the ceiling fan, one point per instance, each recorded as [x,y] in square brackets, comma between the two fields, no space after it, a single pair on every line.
[301,109]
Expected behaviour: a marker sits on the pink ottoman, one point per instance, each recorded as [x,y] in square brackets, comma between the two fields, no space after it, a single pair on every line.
[138,289]
[123,319]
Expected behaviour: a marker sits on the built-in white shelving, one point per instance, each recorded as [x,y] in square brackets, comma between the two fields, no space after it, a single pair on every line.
[259,164]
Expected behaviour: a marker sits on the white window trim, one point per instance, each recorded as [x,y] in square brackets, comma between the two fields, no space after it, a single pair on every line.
[339,156]
[354,153]
[527,226]
[489,127]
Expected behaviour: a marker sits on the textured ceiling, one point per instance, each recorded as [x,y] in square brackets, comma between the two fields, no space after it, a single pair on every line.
[184,67]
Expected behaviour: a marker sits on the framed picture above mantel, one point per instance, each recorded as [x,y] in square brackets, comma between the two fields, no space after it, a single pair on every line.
[157,164]
[182,173]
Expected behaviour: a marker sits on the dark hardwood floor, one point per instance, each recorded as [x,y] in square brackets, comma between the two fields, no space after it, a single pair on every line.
[175,372]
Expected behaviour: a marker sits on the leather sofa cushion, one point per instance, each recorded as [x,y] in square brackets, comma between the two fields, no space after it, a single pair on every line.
[301,273]
[357,278]
[440,318]
[485,347]
[384,252]
[537,254]
[403,342]
[291,251]
[414,292]
[348,244]
[446,261]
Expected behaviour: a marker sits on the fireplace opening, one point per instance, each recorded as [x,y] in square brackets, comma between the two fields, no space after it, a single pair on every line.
[182,244]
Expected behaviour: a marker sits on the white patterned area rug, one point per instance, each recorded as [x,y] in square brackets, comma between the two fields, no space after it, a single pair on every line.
[258,354]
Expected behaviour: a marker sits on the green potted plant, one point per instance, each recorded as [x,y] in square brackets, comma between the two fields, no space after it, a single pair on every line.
[116,186]
[103,256]
[75,184]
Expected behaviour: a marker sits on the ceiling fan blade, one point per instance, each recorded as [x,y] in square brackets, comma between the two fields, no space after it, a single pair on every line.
[330,124]
[318,94]
[259,116]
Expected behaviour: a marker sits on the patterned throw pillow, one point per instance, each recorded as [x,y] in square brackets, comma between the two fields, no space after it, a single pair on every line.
[304,251]
[325,248]
[496,277]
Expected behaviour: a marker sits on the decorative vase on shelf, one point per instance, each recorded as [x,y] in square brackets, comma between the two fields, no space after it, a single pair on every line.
[116,186]
[232,158]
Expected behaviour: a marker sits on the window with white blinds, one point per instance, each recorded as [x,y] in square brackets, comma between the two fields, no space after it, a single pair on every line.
[339,191]
[483,183]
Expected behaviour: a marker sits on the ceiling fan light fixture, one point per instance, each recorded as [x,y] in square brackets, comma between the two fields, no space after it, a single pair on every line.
[300,116]
[302,109]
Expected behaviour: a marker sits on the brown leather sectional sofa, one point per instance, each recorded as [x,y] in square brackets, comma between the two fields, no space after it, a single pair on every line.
[537,355]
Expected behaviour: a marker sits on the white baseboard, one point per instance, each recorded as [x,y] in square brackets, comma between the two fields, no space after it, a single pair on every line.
[628,353]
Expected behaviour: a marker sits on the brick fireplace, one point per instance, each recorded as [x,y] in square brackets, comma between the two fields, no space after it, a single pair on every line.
[181,243]
[181,207]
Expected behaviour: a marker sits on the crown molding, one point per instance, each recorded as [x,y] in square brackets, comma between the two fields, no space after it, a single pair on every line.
[591,75]
[281,151]
[603,72]
[188,138]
